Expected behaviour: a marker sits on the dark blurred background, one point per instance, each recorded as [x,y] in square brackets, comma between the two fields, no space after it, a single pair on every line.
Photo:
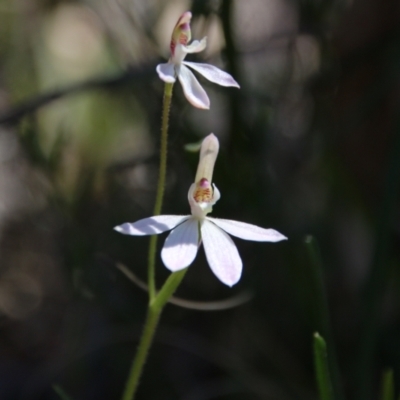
[310,145]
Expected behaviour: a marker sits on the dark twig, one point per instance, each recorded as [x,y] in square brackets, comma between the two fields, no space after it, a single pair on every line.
[131,75]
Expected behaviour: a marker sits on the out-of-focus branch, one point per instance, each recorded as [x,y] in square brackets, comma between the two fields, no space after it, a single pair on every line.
[132,75]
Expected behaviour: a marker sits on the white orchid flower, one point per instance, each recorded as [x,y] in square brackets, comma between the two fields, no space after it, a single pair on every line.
[177,68]
[189,231]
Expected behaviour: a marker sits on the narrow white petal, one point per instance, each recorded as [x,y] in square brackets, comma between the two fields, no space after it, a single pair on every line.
[248,231]
[221,253]
[151,226]
[196,46]
[181,246]
[213,74]
[194,92]
[166,72]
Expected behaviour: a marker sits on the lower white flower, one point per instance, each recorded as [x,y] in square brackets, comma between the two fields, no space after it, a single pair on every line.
[180,247]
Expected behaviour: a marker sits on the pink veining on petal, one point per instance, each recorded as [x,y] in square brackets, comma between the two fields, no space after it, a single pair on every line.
[185,26]
[184,18]
[181,33]
[172,46]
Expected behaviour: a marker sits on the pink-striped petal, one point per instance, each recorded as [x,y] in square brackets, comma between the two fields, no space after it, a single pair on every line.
[248,231]
[181,246]
[166,72]
[151,226]
[213,74]
[221,253]
[194,92]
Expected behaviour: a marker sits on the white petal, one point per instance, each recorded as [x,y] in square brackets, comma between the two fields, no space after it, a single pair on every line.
[151,226]
[166,72]
[221,253]
[216,195]
[194,92]
[181,246]
[248,231]
[213,74]
[196,46]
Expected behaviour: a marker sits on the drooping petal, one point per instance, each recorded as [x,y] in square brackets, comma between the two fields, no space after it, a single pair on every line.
[196,46]
[166,72]
[194,92]
[221,253]
[151,226]
[248,231]
[213,74]
[181,246]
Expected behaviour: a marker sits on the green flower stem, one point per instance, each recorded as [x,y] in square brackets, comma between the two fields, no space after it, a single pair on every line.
[156,301]
[168,289]
[141,355]
[153,316]
[160,187]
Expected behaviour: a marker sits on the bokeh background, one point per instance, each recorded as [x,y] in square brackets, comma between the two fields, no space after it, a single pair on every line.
[310,145]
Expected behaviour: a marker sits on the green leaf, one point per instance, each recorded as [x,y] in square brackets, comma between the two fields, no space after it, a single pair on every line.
[193,147]
[322,368]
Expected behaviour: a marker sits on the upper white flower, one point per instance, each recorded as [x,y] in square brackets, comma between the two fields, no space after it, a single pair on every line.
[177,68]
[189,231]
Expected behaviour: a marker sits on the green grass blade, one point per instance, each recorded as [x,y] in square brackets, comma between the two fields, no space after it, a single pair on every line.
[322,375]
[321,312]
[61,393]
[387,389]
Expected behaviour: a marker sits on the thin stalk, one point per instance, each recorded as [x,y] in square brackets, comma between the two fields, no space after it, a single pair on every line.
[153,316]
[168,289]
[156,301]
[151,276]
[150,326]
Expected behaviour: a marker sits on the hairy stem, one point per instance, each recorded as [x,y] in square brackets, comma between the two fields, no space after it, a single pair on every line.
[160,187]
[153,316]
[156,302]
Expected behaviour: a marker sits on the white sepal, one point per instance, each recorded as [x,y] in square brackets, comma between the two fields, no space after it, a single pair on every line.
[180,247]
[221,253]
[151,226]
